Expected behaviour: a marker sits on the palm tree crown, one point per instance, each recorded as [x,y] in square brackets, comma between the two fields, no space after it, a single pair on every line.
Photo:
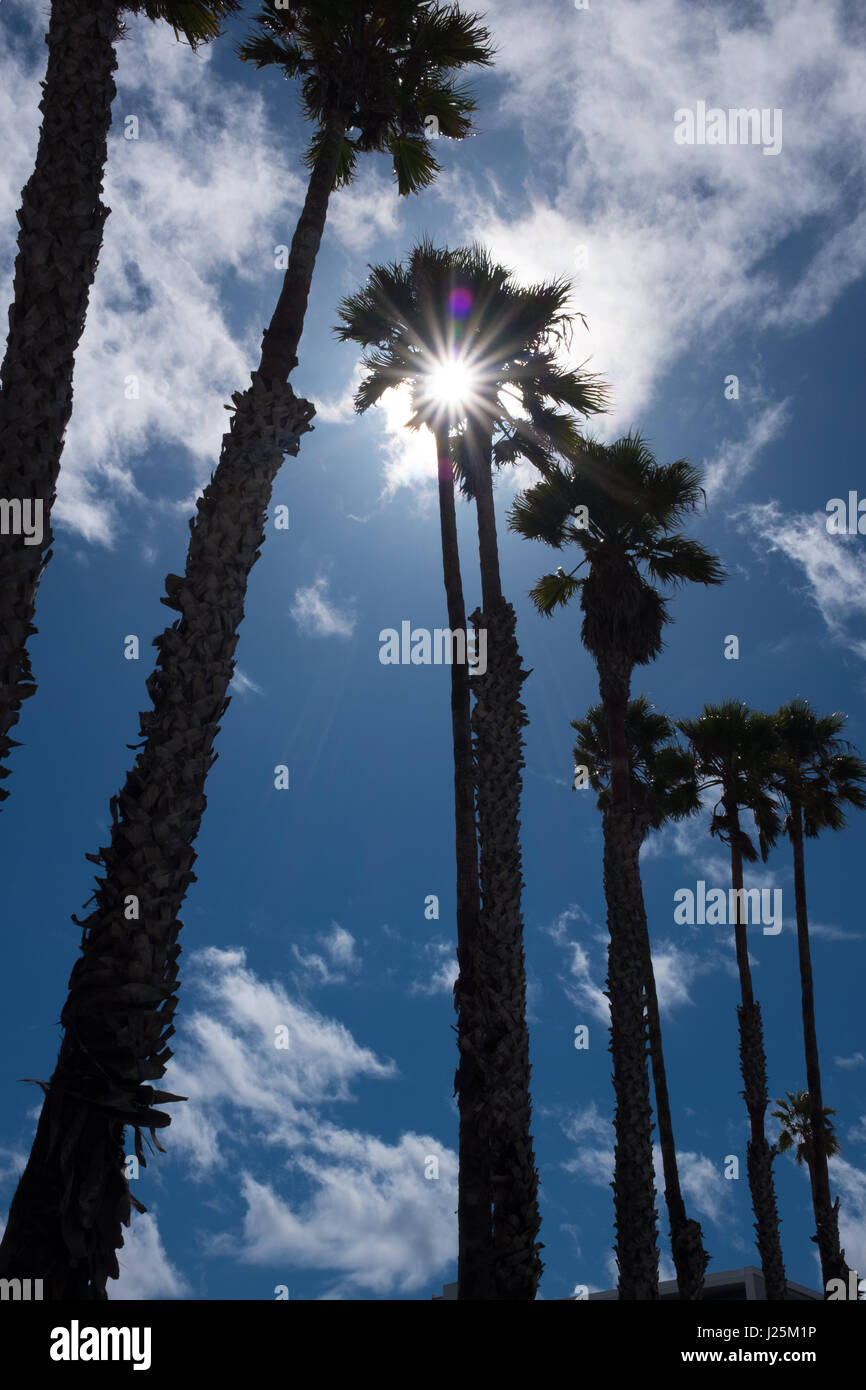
[197,21]
[443,306]
[664,782]
[735,751]
[816,768]
[382,68]
[795,1116]
[630,509]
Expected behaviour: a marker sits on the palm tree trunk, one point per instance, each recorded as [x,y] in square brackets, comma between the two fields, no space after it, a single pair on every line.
[690,1258]
[753,1065]
[833,1263]
[634,1180]
[283,334]
[65,1221]
[61,222]
[474,1209]
[497,722]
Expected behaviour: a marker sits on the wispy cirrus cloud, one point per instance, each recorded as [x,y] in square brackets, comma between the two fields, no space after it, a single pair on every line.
[317,614]
[833,566]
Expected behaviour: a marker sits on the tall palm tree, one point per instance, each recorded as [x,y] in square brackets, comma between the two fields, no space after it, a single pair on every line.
[734,748]
[663,789]
[378,69]
[631,508]
[61,223]
[415,298]
[520,404]
[818,775]
[442,314]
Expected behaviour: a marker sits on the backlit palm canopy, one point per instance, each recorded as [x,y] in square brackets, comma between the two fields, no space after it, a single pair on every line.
[816,768]
[735,751]
[473,346]
[664,784]
[386,68]
[197,21]
[795,1117]
[631,508]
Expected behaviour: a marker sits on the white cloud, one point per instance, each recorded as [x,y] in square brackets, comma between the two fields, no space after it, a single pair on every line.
[703,1186]
[146,1272]
[359,215]
[209,188]
[834,566]
[230,1059]
[734,460]
[370,1214]
[677,238]
[317,614]
[241,684]
[373,1218]
[444,969]
[582,989]
[339,947]
[855,1060]
[850,1183]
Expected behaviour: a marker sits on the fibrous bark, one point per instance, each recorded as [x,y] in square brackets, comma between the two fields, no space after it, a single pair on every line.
[633,1184]
[497,722]
[65,1220]
[61,221]
[474,1202]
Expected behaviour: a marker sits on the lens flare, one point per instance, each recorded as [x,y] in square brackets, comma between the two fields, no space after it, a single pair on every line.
[460,302]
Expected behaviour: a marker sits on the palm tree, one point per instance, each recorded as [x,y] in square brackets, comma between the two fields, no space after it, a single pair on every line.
[414,298]
[663,789]
[818,775]
[379,69]
[734,748]
[413,323]
[61,223]
[629,509]
[795,1117]
[520,404]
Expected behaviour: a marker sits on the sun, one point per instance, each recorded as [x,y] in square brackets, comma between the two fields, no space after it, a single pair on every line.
[451,383]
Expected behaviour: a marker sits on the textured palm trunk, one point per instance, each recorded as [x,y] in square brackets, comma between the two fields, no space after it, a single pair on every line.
[690,1258]
[633,1179]
[497,723]
[61,222]
[65,1220]
[833,1263]
[474,1203]
[753,1065]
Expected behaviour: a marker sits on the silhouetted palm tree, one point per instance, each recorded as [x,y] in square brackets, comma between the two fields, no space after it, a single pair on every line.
[453,311]
[378,69]
[61,220]
[663,789]
[734,749]
[819,774]
[622,510]
[795,1117]
[413,300]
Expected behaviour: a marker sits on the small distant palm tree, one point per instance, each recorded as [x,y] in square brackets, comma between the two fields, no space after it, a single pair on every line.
[734,748]
[378,68]
[622,509]
[796,1118]
[61,223]
[664,789]
[818,775]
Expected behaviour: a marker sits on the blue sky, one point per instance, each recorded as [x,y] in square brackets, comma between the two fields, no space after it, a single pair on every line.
[305,1167]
